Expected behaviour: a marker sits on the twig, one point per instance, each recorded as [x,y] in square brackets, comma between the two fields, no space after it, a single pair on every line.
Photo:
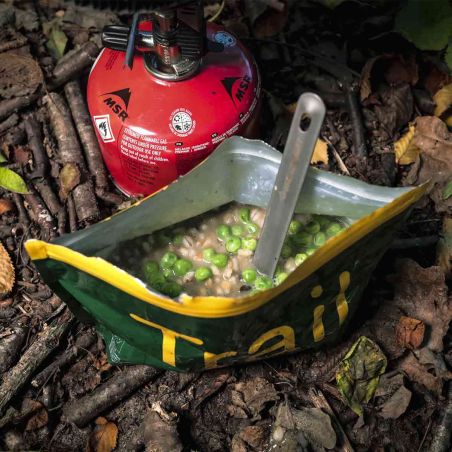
[73,64]
[89,141]
[10,122]
[337,157]
[318,400]
[71,153]
[45,343]
[34,135]
[15,416]
[13,44]
[23,216]
[354,110]
[441,435]
[10,347]
[41,215]
[71,213]
[9,106]
[68,357]
[118,387]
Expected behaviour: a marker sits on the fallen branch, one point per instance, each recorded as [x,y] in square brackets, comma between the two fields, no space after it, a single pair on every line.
[23,215]
[10,346]
[13,44]
[354,111]
[118,387]
[10,106]
[71,153]
[46,342]
[89,141]
[68,357]
[8,123]
[73,64]
[41,215]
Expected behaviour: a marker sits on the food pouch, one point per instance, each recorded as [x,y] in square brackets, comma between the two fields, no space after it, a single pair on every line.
[309,309]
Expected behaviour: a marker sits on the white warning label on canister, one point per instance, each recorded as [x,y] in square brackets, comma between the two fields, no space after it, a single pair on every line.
[181,122]
[103,126]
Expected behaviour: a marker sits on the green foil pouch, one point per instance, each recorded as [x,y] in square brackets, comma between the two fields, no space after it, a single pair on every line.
[311,308]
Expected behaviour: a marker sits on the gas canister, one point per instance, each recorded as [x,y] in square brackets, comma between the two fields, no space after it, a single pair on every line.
[165,92]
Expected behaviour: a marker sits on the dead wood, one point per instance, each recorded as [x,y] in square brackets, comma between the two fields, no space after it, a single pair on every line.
[45,343]
[73,64]
[10,346]
[71,153]
[23,215]
[89,141]
[118,387]
[41,215]
[10,122]
[9,106]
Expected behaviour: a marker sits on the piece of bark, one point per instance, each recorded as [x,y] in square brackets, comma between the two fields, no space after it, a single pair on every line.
[84,410]
[10,106]
[71,214]
[70,152]
[68,357]
[45,343]
[14,416]
[73,64]
[10,347]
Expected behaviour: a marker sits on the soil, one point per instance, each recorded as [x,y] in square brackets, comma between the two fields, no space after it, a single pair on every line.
[57,389]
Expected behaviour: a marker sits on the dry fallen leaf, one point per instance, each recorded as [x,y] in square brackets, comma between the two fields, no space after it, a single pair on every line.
[405,150]
[6,206]
[257,393]
[267,21]
[443,101]
[444,248]
[397,404]
[38,420]
[69,179]
[6,271]
[410,332]
[104,436]
[320,154]
[435,142]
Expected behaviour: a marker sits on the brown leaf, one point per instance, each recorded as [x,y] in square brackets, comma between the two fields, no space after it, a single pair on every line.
[69,179]
[6,206]
[443,101]
[420,374]
[435,78]
[7,276]
[444,248]
[22,155]
[19,75]
[267,21]
[255,436]
[38,420]
[404,149]
[435,142]
[104,436]
[257,392]
[396,109]
[397,404]
[410,332]
[394,69]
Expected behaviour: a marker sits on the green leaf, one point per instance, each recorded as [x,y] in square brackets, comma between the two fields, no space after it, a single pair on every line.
[359,373]
[447,192]
[57,40]
[12,181]
[425,23]
[3,159]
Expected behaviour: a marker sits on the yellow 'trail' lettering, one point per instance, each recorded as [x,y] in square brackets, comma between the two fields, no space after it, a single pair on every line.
[286,343]
[341,300]
[211,359]
[169,340]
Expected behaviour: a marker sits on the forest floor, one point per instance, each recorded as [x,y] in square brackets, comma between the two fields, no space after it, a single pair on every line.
[57,389]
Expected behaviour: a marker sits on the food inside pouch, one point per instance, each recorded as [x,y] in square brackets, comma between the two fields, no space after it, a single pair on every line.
[212,253]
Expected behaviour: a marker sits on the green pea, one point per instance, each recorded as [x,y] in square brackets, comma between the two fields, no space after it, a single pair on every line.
[294,227]
[237,230]
[167,272]
[208,254]
[233,244]
[249,275]
[172,289]
[249,243]
[319,239]
[220,260]
[203,273]
[333,229]
[300,258]
[311,251]
[263,283]
[245,214]
[252,228]
[286,251]
[302,239]
[313,227]
[177,240]
[280,277]
[150,267]
[223,231]
[157,281]
[168,260]
[182,267]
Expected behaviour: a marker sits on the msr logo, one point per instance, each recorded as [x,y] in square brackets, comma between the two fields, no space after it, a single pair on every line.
[236,87]
[113,101]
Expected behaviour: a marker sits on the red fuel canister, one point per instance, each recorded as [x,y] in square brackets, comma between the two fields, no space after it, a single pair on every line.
[165,92]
